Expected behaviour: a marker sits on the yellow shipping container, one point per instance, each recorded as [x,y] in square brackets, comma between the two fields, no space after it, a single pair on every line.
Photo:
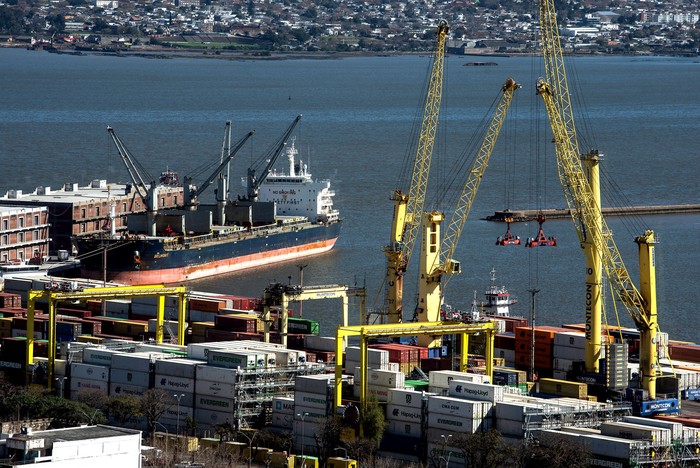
[280,460]
[89,339]
[234,448]
[5,323]
[564,388]
[338,462]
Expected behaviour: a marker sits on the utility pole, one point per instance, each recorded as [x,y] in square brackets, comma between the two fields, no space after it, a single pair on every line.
[532,292]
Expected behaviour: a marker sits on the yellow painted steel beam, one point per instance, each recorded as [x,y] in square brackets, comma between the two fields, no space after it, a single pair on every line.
[366,332]
[54,297]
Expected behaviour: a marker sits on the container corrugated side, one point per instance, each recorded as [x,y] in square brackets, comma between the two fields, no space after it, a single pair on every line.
[476,391]
[89,372]
[404,428]
[459,407]
[178,367]
[172,383]
[405,397]
[118,389]
[283,405]
[403,413]
[382,378]
[442,378]
[128,377]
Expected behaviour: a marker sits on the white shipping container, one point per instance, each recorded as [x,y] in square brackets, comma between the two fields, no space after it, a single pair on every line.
[83,371]
[403,413]
[438,451]
[442,378]
[217,374]
[78,385]
[200,351]
[318,383]
[675,428]
[509,428]
[380,393]
[456,423]
[238,359]
[350,366]
[513,411]
[213,403]
[283,405]
[218,389]
[625,430]
[459,407]
[321,343]
[568,352]
[375,357]
[171,412]
[690,434]
[404,428]
[100,356]
[570,338]
[315,415]
[174,384]
[137,362]
[610,446]
[311,400]
[123,376]
[178,367]
[117,389]
[476,391]
[382,378]
[405,397]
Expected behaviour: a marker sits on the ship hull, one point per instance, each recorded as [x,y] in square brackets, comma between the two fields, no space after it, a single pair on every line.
[160,260]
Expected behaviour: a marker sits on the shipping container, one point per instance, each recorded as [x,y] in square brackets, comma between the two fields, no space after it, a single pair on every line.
[403,413]
[135,378]
[564,388]
[83,371]
[632,431]
[381,378]
[118,389]
[476,391]
[217,389]
[217,374]
[405,397]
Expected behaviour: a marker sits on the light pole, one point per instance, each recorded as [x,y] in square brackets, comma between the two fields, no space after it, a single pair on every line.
[301,267]
[177,427]
[445,440]
[302,416]
[60,380]
[250,445]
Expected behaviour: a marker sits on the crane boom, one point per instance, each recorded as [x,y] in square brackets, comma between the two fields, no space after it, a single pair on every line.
[253,182]
[131,167]
[437,257]
[192,195]
[580,199]
[408,207]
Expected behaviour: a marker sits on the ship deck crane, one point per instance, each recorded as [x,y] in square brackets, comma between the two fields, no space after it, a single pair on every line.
[408,207]
[192,193]
[146,191]
[437,256]
[255,182]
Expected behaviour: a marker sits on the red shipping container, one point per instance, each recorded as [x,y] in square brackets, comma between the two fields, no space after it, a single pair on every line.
[684,352]
[542,333]
[212,334]
[206,305]
[435,364]
[541,362]
[506,341]
[13,311]
[10,300]
[543,349]
[235,322]
[74,312]
[513,322]
[397,353]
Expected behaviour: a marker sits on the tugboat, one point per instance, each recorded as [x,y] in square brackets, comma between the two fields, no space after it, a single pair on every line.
[498,299]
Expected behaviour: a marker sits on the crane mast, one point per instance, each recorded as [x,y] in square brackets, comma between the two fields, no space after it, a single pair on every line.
[408,207]
[437,257]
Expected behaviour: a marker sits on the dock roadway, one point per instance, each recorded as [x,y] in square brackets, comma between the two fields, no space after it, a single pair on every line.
[529,215]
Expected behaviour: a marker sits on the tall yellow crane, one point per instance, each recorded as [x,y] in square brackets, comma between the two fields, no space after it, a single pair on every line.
[557,82]
[437,257]
[640,305]
[582,193]
[409,206]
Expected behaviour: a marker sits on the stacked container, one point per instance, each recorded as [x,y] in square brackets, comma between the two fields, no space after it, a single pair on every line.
[379,382]
[177,377]
[313,395]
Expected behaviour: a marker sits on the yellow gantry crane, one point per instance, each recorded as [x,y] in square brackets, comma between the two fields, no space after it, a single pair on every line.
[53,297]
[437,257]
[582,193]
[408,207]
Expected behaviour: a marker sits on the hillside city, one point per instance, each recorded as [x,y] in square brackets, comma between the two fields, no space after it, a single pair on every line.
[260,27]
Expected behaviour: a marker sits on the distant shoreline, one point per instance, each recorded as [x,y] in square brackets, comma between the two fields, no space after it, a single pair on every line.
[159,52]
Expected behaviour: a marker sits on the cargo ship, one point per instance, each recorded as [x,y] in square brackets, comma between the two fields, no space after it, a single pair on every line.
[290,216]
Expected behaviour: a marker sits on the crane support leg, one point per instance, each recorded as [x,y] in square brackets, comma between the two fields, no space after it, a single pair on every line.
[30,336]
[594,273]
[160,313]
[648,354]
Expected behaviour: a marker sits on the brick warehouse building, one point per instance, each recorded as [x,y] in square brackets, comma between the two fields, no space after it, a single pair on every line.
[75,211]
[24,233]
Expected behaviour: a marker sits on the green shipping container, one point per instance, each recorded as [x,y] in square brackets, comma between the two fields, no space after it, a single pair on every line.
[302,326]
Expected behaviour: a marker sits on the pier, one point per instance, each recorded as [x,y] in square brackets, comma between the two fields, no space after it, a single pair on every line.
[551,213]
